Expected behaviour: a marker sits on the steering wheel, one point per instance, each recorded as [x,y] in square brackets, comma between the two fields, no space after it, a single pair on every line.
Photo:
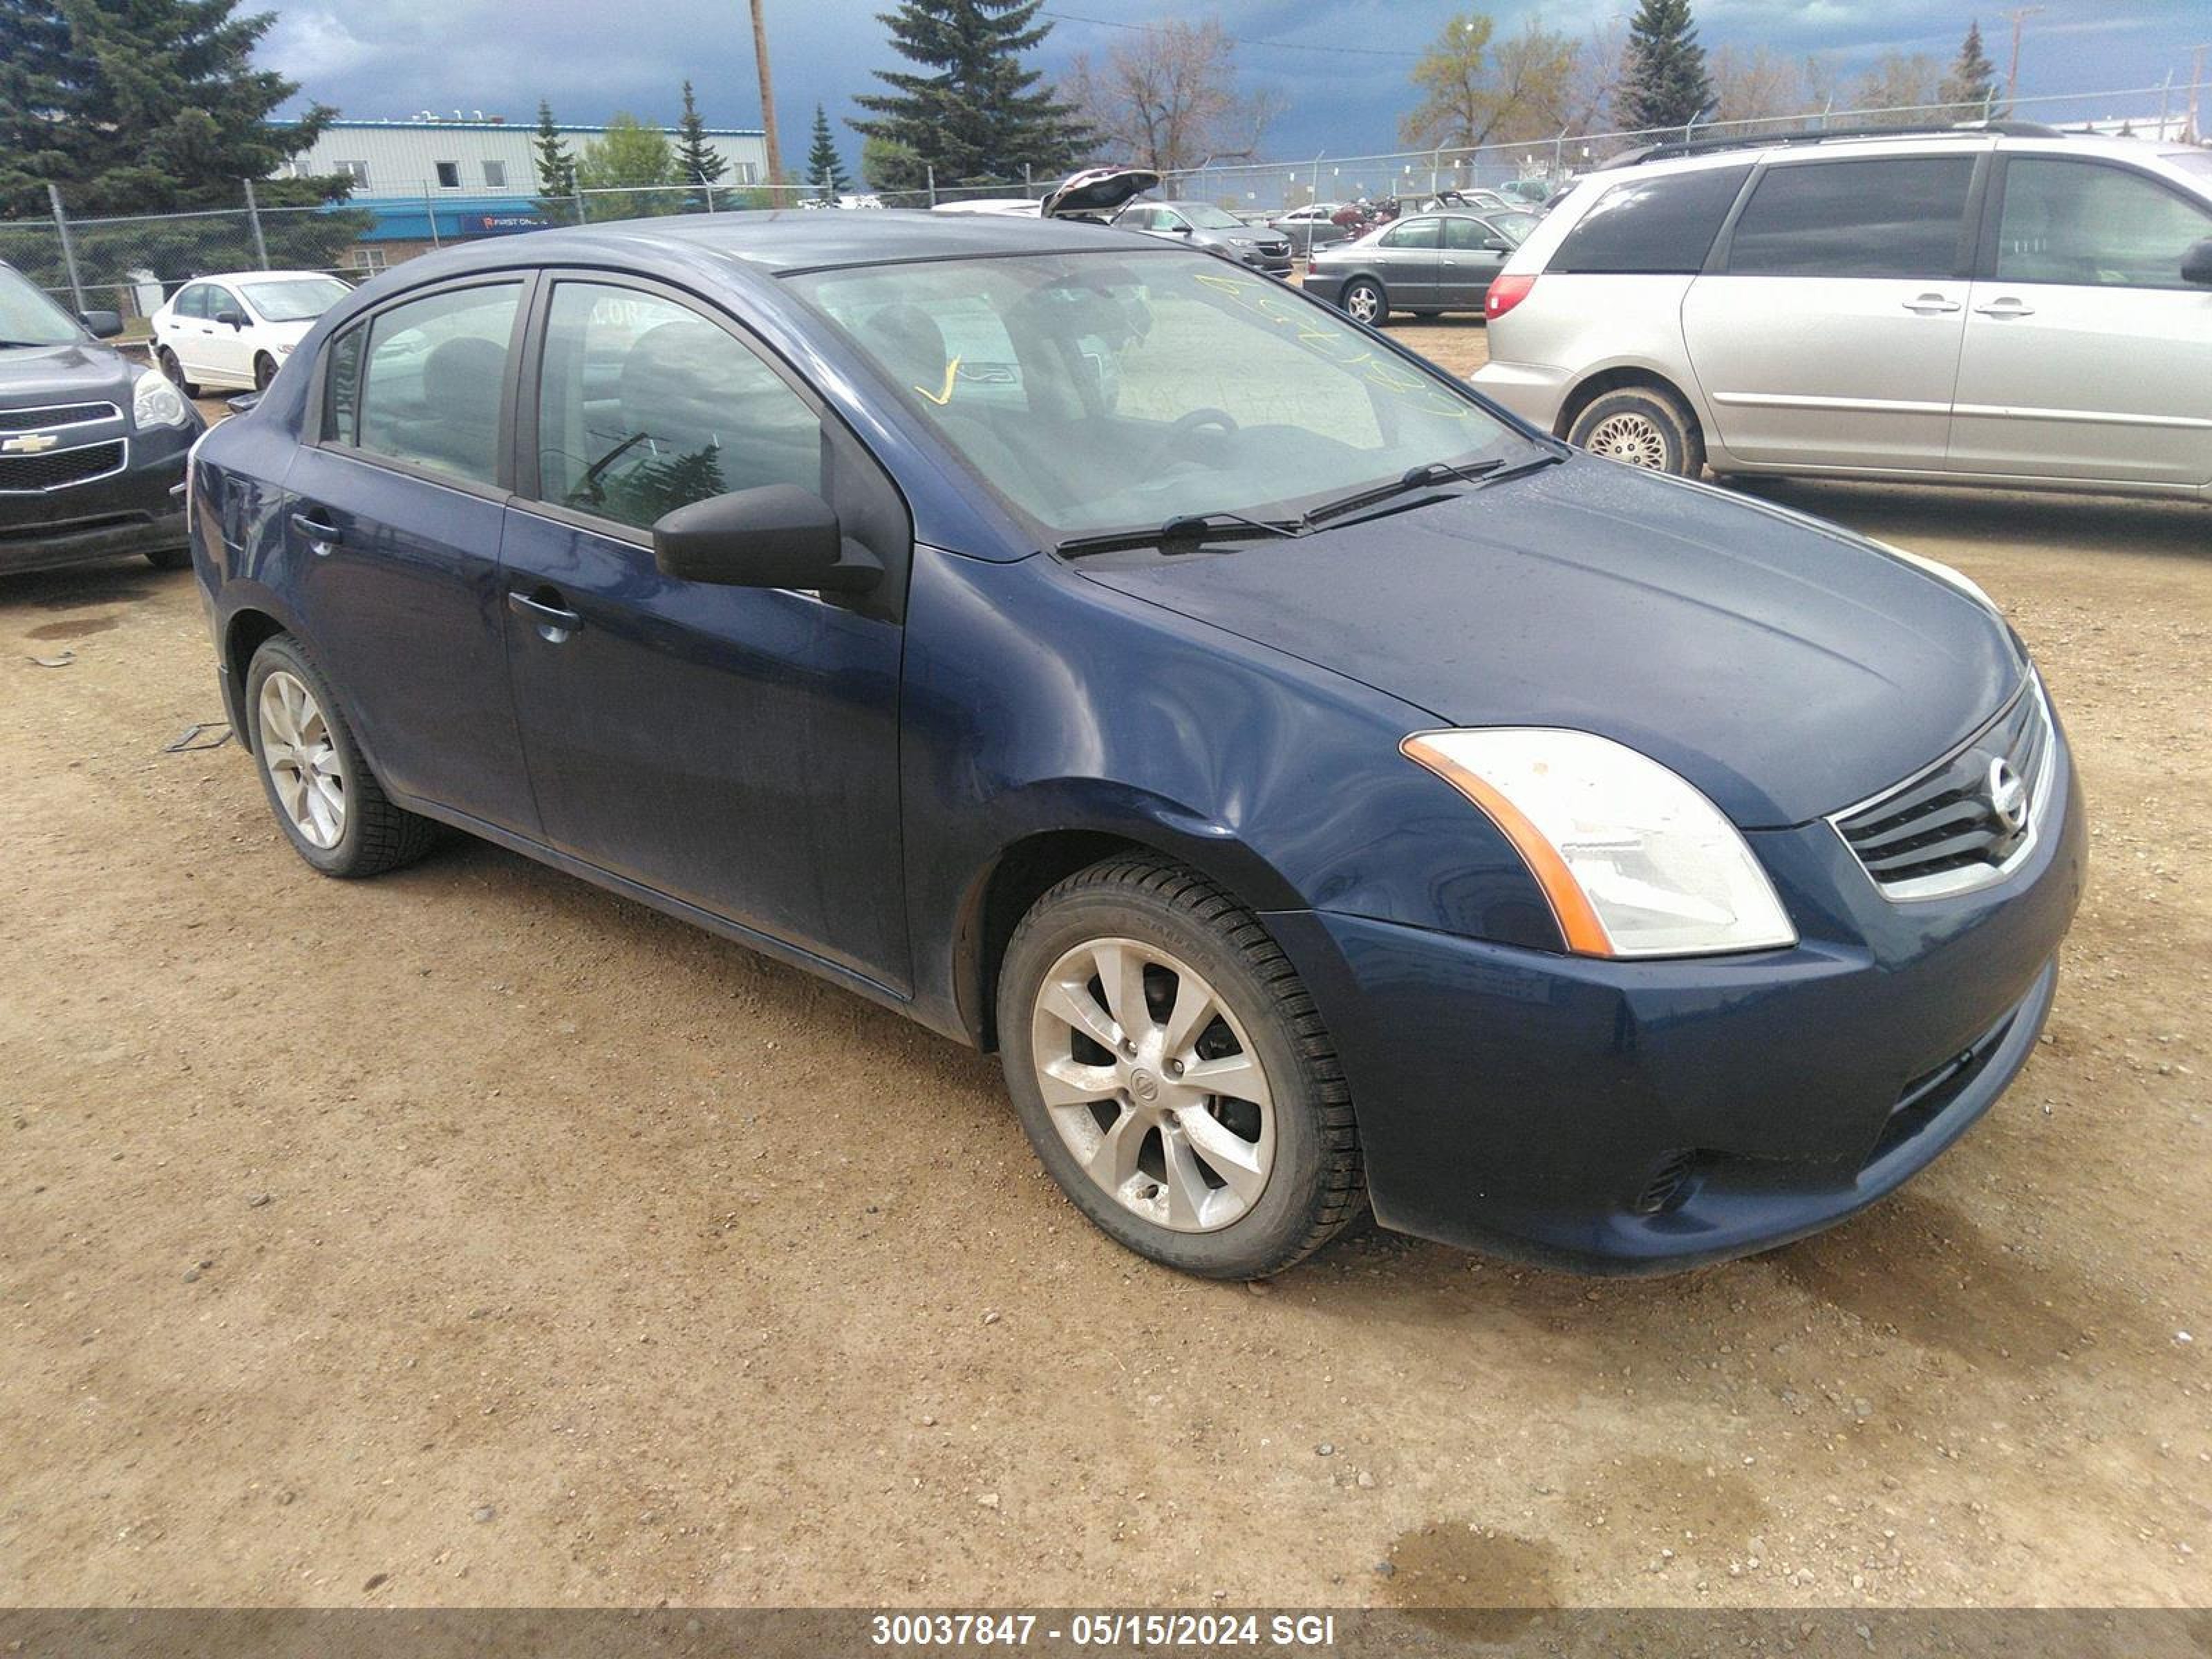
[1183,426]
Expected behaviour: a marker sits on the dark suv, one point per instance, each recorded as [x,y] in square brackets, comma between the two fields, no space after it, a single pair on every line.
[92,446]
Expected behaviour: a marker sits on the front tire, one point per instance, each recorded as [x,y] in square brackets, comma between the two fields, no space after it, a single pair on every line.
[1644,426]
[1173,1074]
[1364,301]
[325,800]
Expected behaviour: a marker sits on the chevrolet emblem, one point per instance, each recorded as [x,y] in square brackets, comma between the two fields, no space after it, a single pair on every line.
[30,443]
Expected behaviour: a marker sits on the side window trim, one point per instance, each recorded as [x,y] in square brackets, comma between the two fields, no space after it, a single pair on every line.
[1986,248]
[528,281]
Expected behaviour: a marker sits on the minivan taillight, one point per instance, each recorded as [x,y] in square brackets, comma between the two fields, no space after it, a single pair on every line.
[1506,293]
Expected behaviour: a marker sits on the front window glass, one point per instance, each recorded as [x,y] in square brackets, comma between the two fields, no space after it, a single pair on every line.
[1098,392]
[429,388]
[2092,227]
[294,300]
[646,406]
[28,318]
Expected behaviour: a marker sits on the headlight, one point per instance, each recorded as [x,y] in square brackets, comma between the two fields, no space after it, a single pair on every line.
[1634,861]
[155,402]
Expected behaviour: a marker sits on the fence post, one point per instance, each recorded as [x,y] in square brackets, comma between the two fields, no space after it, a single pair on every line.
[69,248]
[253,218]
[576,193]
[932,184]
[430,212]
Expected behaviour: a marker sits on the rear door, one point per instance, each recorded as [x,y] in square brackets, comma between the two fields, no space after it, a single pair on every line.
[1407,257]
[393,541]
[189,335]
[1825,330]
[2087,357]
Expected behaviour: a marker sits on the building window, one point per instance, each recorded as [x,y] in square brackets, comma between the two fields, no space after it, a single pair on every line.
[354,171]
[495,175]
[449,175]
[364,258]
[747,173]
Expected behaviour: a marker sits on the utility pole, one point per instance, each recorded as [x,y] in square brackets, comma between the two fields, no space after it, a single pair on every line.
[2019,16]
[768,108]
[2196,133]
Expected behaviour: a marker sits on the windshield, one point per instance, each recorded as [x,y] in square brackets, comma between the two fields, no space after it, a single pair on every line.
[1104,393]
[294,300]
[1210,218]
[28,318]
[1515,226]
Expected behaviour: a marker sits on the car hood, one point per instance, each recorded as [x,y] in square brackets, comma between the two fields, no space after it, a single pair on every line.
[80,371]
[1785,667]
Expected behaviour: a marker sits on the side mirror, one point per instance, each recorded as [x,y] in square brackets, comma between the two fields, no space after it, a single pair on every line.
[1178,230]
[236,318]
[1496,245]
[776,536]
[2196,263]
[104,325]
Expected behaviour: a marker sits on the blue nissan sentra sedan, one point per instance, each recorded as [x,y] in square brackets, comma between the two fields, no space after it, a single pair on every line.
[1322,790]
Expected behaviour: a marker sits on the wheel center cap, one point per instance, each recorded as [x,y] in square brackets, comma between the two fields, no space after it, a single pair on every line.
[1144,1086]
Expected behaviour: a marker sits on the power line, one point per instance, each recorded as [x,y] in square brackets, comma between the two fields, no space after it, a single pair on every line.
[1234,39]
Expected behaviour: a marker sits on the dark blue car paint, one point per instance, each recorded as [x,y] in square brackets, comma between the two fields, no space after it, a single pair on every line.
[855,782]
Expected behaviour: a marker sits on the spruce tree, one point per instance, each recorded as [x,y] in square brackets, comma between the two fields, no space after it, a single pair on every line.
[825,168]
[1663,82]
[556,164]
[969,109]
[696,159]
[148,106]
[1973,81]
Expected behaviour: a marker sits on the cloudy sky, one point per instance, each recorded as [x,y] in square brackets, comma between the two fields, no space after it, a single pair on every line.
[1341,65]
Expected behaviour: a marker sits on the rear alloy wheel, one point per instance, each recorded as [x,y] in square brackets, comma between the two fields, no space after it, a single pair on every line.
[1642,426]
[326,801]
[1173,1075]
[1365,302]
[166,360]
[264,370]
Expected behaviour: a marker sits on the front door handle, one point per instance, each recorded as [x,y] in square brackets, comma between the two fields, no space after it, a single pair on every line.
[554,622]
[322,539]
[2007,306]
[1931,305]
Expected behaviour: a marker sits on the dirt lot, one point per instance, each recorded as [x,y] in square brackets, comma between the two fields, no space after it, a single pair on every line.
[471,1236]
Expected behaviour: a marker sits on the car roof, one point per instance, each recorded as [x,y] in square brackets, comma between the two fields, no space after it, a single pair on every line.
[257,277]
[1744,152]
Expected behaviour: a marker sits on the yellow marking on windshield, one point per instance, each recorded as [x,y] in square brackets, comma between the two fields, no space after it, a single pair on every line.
[941,398]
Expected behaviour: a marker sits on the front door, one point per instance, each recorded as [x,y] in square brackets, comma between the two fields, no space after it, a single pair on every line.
[1828,333]
[2087,357]
[736,748]
[1472,254]
[392,538]
[229,355]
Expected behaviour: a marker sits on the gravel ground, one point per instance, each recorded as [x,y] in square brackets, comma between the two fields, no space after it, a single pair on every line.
[471,1236]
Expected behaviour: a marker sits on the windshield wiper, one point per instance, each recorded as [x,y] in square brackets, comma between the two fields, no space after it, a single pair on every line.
[1423,476]
[1184,533]
[28,345]
[1534,464]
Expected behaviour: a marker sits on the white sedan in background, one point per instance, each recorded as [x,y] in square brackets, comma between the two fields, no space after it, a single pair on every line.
[236,329]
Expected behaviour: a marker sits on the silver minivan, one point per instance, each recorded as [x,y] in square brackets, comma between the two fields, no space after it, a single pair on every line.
[2007,306]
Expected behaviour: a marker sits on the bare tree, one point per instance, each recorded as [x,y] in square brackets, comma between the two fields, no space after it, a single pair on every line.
[1758,85]
[1167,98]
[1894,86]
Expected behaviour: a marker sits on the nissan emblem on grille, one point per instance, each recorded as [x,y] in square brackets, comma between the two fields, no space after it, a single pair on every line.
[2007,795]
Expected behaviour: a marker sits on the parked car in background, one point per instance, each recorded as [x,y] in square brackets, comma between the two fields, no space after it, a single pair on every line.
[236,329]
[1321,792]
[1534,195]
[1426,263]
[2007,306]
[92,445]
[1308,228]
[1202,224]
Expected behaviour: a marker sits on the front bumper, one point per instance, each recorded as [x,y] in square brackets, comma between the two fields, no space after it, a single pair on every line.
[1640,1117]
[136,510]
[1274,265]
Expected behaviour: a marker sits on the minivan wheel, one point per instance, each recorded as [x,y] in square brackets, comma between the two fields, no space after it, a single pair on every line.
[166,360]
[1364,301]
[326,801]
[1642,426]
[1173,1074]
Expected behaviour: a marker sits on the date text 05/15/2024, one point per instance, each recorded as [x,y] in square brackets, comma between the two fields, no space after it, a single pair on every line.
[1104,1630]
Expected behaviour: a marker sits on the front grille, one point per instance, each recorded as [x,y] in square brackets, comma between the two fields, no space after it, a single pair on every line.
[1959,824]
[1275,250]
[58,469]
[37,420]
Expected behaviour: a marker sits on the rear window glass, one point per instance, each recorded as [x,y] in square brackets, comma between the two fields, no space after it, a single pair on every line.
[1661,224]
[1888,218]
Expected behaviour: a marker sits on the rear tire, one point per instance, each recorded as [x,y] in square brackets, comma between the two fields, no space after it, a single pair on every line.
[1644,426]
[166,360]
[1238,1181]
[325,800]
[264,370]
[1364,301]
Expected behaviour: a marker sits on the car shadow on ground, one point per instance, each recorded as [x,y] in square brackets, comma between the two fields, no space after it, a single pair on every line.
[2014,519]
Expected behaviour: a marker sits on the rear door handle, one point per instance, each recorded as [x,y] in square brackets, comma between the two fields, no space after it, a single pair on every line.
[2007,306]
[1931,305]
[554,622]
[322,539]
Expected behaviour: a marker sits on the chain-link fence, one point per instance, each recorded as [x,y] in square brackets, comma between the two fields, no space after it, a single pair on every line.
[130,265]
